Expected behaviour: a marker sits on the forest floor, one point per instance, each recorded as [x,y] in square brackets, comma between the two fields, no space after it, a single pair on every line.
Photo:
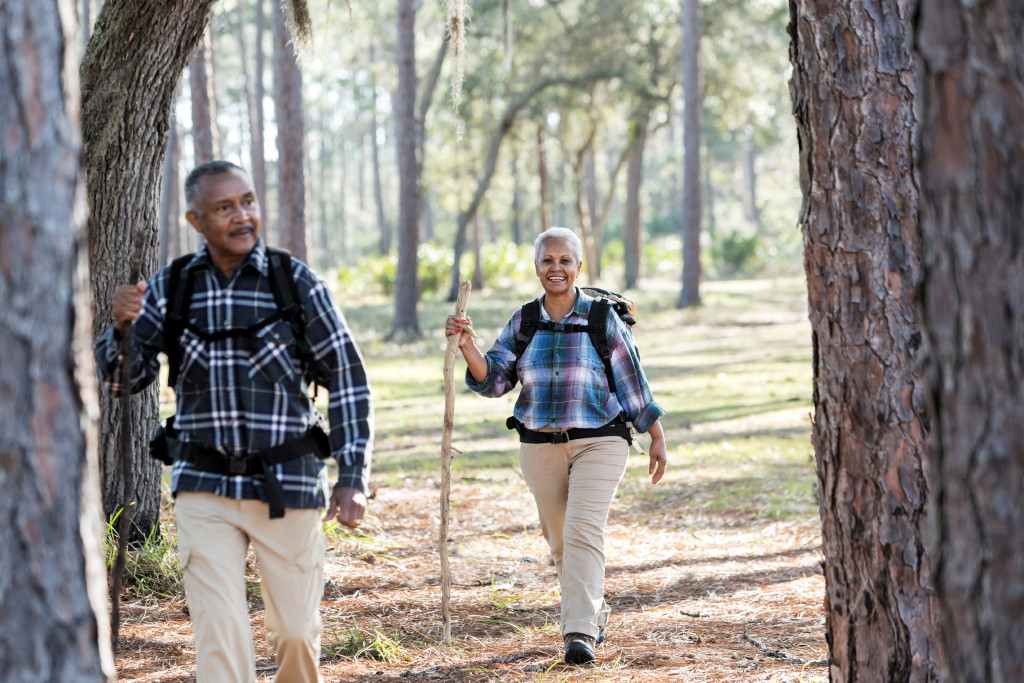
[712,575]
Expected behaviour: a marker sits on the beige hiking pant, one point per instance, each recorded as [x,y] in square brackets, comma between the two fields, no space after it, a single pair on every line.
[214,534]
[573,485]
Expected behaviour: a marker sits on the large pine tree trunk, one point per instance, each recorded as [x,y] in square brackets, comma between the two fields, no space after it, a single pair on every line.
[853,98]
[125,114]
[405,323]
[291,140]
[972,203]
[53,608]
[689,295]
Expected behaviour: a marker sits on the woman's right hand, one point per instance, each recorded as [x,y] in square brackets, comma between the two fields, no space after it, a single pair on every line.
[460,326]
[127,302]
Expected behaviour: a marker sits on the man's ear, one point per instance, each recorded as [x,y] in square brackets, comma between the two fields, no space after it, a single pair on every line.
[193,219]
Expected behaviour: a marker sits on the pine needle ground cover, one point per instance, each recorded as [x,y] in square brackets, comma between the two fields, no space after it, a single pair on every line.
[713,575]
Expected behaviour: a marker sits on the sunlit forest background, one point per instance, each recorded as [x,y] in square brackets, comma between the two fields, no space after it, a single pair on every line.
[597,86]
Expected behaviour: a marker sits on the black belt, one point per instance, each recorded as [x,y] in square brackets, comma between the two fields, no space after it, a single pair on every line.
[211,460]
[617,427]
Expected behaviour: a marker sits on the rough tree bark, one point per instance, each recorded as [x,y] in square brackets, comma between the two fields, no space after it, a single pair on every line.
[405,321]
[125,114]
[689,295]
[853,94]
[53,603]
[972,201]
[291,140]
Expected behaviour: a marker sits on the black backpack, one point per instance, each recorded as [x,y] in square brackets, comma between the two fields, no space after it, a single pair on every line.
[596,326]
[286,295]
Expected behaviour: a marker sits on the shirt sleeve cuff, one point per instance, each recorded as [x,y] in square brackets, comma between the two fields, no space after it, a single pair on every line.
[647,417]
[354,477]
[481,387]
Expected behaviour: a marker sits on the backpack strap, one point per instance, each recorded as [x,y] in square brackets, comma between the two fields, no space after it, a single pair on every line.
[178,300]
[286,295]
[530,316]
[597,328]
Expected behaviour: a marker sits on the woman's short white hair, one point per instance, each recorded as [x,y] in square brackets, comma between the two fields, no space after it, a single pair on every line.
[565,234]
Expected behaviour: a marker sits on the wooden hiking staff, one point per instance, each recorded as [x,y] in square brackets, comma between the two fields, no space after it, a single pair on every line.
[446,460]
[128,492]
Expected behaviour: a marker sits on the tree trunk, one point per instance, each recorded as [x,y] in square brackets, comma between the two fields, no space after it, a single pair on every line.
[170,190]
[751,211]
[632,227]
[52,590]
[383,225]
[517,202]
[125,114]
[478,262]
[689,295]
[405,323]
[253,84]
[972,201]
[291,141]
[205,139]
[855,124]
[592,199]
[542,176]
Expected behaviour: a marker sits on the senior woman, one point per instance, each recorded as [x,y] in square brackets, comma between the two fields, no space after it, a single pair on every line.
[571,416]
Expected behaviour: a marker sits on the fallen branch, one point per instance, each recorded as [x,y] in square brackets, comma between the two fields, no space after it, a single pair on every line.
[779,654]
[446,461]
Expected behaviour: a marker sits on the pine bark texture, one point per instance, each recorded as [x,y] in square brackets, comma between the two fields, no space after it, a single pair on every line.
[972,203]
[130,71]
[291,141]
[690,67]
[406,321]
[853,94]
[53,608]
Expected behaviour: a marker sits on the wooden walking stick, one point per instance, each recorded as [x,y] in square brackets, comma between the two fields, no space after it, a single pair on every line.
[128,492]
[446,460]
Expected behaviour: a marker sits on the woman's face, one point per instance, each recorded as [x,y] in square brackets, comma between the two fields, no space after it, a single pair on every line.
[557,267]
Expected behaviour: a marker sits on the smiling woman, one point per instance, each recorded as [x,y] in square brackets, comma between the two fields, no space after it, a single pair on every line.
[581,396]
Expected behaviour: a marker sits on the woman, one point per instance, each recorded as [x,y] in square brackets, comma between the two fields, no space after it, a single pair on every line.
[572,427]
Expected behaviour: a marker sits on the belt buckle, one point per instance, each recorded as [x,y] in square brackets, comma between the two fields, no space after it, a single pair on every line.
[237,466]
[559,437]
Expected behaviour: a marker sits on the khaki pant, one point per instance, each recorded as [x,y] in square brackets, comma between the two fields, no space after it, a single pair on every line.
[573,484]
[214,534]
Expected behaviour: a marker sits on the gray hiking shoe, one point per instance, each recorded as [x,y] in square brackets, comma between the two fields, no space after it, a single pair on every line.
[579,648]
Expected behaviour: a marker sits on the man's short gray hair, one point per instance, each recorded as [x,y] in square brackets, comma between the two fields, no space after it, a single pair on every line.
[570,238]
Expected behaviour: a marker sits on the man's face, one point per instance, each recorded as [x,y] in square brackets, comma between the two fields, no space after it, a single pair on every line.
[227,214]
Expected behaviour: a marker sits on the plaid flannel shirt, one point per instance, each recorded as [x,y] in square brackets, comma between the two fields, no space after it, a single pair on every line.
[564,385]
[242,395]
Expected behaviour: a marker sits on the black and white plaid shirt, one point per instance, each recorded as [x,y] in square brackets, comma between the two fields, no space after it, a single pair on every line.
[242,395]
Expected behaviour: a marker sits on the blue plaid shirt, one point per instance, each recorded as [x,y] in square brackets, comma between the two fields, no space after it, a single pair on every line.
[563,378]
[243,395]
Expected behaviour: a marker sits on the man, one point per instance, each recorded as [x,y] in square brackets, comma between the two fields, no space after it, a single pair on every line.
[245,468]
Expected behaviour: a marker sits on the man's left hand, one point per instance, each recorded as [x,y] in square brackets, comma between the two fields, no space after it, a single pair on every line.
[347,506]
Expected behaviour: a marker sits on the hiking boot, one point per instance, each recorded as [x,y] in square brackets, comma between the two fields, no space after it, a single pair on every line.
[579,648]
[602,636]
